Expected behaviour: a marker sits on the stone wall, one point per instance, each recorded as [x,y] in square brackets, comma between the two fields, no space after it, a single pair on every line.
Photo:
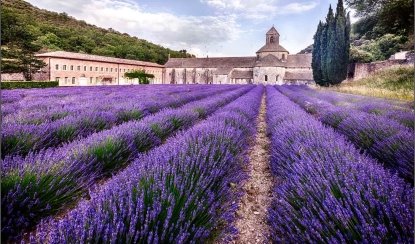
[42,76]
[274,75]
[363,70]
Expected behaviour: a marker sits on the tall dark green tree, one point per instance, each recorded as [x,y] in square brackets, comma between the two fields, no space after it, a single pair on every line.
[330,59]
[329,68]
[316,58]
[340,57]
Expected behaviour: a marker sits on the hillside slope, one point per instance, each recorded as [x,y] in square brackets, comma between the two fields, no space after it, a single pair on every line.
[392,83]
[58,31]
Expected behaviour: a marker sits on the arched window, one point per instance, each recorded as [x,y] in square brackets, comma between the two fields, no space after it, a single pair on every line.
[271,39]
[266,77]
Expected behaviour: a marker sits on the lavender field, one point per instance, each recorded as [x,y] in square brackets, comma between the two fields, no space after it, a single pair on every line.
[175,163]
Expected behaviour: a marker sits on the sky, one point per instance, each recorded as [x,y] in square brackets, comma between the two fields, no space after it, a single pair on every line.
[214,28]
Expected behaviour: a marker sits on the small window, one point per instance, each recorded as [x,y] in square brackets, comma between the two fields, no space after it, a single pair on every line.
[57,79]
[71,67]
[102,68]
[276,78]
[106,69]
[91,79]
[283,56]
[84,68]
[57,67]
[66,80]
[111,69]
[78,68]
[96,79]
[266,77]
[90,68]
[64,67]
[116,70]
[73,80]
[96,68]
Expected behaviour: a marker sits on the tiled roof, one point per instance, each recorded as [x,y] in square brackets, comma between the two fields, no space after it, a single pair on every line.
[298,75]
[90,57]
[269,61]
[272,47]
[299,61]
[273,31]
[226,62]
[241,74]
[222,71]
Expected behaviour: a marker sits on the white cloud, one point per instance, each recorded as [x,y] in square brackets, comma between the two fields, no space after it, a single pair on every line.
[294,8]
[177,32]
[259,9]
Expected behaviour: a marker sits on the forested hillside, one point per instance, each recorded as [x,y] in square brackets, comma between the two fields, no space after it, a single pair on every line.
[50,31]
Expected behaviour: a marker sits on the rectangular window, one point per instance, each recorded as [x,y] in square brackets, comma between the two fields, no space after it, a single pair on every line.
[266,77]
[116,70]
[78,68]
[106,69]
[90,80]
[111,69]
[66,80]
[57,79]
[102,68]
[71,67]
[96,68]
[90,68]
[64,67]
[57,67]
[84,68]
[73,80]
[96,79]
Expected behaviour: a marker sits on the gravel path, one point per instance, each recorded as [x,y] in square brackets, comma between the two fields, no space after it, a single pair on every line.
[252,214]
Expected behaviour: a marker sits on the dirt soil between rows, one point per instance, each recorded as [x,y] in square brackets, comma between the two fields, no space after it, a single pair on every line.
[251,217]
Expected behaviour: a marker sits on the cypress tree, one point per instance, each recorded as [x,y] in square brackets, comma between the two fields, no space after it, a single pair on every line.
[331,48]
[340,54]
[316,57]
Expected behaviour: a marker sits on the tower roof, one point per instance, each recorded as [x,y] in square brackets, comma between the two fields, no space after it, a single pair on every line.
[273,31]
[272,47]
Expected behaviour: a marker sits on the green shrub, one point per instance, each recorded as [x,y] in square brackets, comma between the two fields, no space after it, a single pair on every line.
[28,84]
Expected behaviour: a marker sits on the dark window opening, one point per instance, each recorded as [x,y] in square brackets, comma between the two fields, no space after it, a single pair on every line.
[266,77]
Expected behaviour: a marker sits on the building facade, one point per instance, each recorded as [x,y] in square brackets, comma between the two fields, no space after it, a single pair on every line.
[77,69]
[272,65]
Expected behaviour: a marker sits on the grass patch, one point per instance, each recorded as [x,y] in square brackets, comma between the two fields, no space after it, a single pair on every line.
[392,83]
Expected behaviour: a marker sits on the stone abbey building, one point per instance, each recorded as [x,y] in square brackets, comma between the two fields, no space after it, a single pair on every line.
[272,65]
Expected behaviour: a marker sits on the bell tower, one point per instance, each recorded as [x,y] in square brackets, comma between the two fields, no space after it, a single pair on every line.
[272,36]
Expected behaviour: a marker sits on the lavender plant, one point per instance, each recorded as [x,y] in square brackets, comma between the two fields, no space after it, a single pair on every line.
[99,155]
[177,193]
[329,191]
[376,135]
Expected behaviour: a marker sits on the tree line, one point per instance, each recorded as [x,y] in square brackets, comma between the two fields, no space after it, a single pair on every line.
[330,55]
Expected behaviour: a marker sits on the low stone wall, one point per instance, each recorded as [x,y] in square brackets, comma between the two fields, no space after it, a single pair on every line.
[20,77]
[363,70]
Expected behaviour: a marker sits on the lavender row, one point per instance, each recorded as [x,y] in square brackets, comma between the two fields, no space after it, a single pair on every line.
[52,108]
[44,183]
[180,192]
[385,108]
[329,191]
[24,138]
[386,140]
[59,98]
